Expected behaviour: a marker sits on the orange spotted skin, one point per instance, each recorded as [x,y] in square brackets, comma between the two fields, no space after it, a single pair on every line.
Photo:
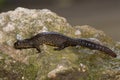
[59,41]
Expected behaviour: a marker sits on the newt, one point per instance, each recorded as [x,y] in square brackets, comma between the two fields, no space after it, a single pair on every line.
[59,41]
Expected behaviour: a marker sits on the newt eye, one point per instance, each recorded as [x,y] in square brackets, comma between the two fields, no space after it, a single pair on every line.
[17,44]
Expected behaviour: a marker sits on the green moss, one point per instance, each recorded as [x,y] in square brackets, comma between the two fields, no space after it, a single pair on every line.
[10,70]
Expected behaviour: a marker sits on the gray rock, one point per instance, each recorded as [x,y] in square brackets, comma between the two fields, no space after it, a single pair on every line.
[72,63]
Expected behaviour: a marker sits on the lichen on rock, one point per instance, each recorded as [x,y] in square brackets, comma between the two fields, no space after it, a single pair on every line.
[72,63]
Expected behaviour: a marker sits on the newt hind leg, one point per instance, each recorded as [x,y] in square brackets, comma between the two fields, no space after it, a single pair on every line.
[60,47]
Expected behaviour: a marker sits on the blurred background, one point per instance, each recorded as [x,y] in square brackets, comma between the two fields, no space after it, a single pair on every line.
[101,14]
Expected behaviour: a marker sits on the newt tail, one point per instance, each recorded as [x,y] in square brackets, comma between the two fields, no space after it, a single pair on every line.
[95,46]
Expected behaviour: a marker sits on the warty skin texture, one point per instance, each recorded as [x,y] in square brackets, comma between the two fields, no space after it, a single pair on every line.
[59,41]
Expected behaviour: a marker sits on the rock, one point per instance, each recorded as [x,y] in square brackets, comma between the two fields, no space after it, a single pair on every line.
[72,63]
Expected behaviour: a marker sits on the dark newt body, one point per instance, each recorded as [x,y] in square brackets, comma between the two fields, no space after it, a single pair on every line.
[60,41]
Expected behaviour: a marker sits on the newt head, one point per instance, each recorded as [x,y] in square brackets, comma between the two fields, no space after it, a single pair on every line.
[18,44]
[22,44]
